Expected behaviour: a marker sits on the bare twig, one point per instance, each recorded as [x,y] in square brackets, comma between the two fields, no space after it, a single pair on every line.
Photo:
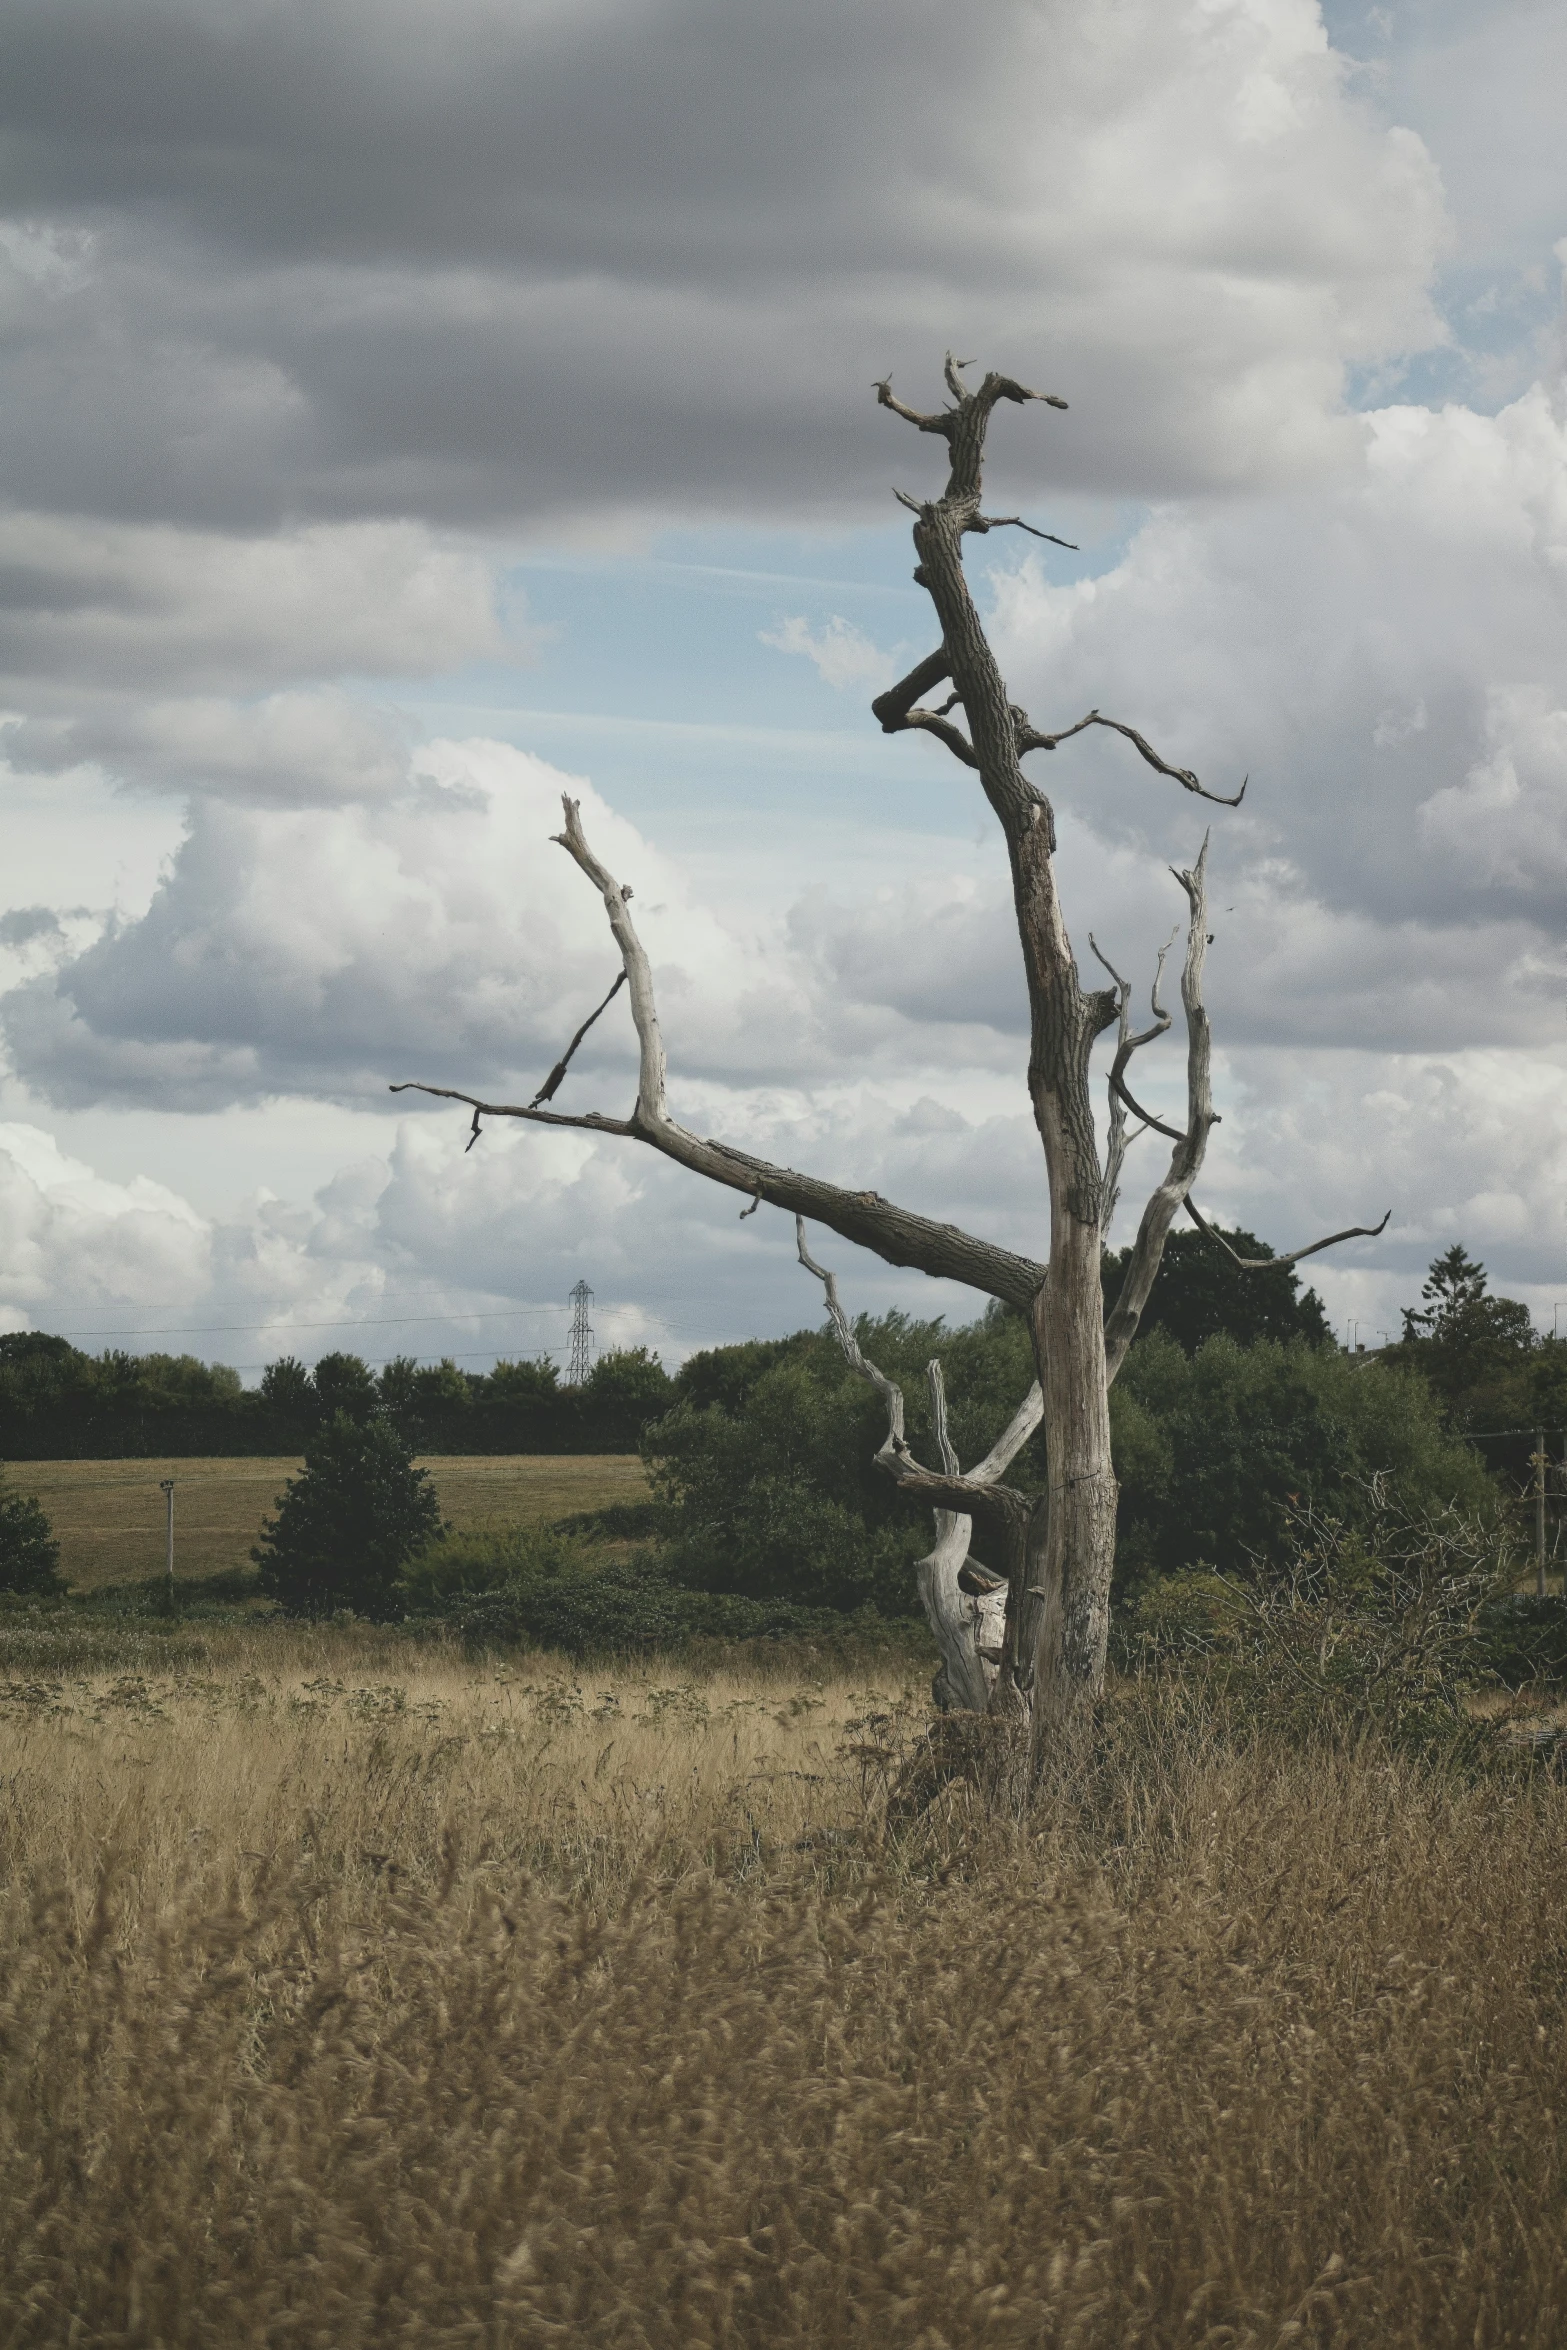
[984,522]
[1119,1141]
[1190,1148]
[551,1086]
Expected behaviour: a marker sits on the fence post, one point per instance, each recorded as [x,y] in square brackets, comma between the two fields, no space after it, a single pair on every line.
[166,1487]
[1539,1511]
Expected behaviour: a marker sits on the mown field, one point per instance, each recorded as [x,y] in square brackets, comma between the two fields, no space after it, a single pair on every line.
[353,1992]
[109,1515]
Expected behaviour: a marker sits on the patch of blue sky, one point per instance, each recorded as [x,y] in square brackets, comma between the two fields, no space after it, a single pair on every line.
[660,674]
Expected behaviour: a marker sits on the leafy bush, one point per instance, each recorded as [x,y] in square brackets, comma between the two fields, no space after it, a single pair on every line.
[456,1568]
[29,1553]
[1386,1624]
[765,1466]
[1526,1637]
[346,1528]
[1219,1452]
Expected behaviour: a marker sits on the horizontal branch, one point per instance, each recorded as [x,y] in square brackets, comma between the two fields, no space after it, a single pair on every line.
[1030,739]
[1260,1264]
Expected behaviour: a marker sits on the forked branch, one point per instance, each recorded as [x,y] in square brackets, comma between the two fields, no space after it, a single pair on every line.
[896,1234]
[979,1494]
[1190,1147]
[1119,1142]
[965,1605]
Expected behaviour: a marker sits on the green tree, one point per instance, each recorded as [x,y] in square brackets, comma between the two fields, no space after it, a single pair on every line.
[620,1395]
[1481,1358]
[347,1526]
[520,1408]
[286,1401]
[29,1553]
[344,1383]
[1199,1293]
[773,1499]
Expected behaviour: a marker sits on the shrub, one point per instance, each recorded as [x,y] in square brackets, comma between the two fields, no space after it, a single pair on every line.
[346,1528]
[29,1553]
[1218,1453]
[1386,1624]
[555,1597]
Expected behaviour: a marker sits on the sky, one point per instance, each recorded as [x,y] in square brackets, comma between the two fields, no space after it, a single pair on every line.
[410,413]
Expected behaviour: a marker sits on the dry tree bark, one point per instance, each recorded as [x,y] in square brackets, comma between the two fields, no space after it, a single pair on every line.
[1058,1546]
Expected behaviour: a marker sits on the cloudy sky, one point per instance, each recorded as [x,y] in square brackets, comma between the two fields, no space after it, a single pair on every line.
[406,410]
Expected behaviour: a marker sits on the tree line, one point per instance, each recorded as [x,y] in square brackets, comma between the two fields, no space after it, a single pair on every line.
[57,1403]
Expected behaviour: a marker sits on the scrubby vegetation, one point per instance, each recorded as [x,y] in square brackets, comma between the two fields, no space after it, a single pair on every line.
[355,1993]
[765,1470]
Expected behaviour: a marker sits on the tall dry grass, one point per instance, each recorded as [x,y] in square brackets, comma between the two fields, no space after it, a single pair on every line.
[353,1995]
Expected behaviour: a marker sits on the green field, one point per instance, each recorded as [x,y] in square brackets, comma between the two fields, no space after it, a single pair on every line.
[109,1515]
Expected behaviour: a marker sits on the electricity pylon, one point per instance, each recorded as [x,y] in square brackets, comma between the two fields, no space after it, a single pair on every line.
[581,1362]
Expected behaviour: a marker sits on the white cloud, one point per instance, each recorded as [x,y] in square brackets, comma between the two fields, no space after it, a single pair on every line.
[842,654]
[1505,824]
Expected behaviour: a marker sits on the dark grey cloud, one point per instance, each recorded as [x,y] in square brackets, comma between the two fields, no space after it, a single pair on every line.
[24,924]
[490,265]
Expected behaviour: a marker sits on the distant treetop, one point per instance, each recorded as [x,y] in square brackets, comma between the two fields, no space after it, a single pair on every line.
[1199,1294]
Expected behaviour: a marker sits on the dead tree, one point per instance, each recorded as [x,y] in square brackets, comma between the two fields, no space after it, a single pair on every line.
[1058,1546]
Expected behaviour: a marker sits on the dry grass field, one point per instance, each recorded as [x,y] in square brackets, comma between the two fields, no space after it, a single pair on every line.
[353,1994]
[109,1515]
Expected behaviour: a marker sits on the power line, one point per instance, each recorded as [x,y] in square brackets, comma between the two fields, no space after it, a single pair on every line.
[342,1322]
[333,1322]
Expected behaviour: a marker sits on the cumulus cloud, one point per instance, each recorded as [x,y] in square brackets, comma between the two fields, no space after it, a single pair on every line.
[188,661]
[1388,658]
[438,932]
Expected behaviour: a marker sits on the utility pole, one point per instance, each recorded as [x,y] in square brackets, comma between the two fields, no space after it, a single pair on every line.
[1539,1511]
[581,1362]
[166,1488]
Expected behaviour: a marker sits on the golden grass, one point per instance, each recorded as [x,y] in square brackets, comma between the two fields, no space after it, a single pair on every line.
[109,1515]
[351,1995]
